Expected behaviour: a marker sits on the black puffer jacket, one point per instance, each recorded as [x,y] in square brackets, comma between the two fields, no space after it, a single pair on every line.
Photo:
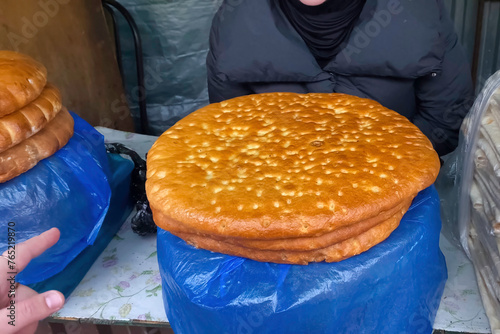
[402,53]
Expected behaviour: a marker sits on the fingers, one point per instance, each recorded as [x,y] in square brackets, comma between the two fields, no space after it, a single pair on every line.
[22,293]
[20,256]
[31,248]
[26,312]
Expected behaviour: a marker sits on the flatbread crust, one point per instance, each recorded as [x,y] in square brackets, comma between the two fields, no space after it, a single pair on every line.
[30,119]
[288,244]
[285,165]
[334,253]
[29,152]
[21,81]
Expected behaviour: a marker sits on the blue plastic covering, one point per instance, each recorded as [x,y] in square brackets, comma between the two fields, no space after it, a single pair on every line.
[68,190]
[395,287]
[120,207]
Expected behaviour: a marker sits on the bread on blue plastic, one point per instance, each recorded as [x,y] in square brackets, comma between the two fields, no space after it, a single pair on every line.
[286,172]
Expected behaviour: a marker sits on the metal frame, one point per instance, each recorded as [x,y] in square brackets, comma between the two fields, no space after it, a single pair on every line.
[111,6]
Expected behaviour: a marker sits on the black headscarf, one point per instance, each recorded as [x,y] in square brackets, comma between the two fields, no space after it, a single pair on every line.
[323,27]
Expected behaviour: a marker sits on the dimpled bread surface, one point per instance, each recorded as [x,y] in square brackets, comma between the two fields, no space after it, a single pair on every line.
[21,81]
[285,165]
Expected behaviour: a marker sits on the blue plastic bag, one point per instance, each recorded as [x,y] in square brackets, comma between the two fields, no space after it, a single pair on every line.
[395,287]
[120,207]
[68,190]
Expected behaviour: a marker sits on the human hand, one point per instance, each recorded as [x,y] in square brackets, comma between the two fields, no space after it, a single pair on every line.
[20,312]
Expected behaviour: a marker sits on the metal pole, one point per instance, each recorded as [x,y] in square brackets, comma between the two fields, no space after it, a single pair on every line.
[139,63]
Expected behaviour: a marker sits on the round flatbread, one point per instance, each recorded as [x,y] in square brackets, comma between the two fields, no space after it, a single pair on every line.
[289,244]
[333,253]
[28,153]
[285,165]
[21,81]
[25,122]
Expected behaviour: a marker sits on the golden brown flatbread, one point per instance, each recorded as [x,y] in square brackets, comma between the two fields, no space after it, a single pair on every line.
[28,153]
[21,81]
[288,244]
[30,119]
[285,165]
[334,253]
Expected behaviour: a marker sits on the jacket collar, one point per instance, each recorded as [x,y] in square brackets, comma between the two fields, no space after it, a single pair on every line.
[258,44]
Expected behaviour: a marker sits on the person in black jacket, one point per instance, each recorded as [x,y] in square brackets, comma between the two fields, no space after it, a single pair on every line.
[404,54]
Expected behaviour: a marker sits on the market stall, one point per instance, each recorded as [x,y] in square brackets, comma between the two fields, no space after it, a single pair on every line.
[123,287]
[347,236]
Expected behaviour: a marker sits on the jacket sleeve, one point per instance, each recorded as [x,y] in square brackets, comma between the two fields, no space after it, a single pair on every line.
[444,98]
[219,89]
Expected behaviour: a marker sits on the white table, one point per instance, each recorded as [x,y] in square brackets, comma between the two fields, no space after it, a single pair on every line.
[124,284]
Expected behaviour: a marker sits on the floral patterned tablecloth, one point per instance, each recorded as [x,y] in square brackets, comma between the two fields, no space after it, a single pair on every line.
[124,284]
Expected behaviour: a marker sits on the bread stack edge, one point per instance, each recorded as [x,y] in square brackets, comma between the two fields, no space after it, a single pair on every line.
[288,178]
[33,122]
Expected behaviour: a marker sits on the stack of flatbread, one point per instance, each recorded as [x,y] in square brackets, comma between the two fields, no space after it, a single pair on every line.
[288,178]
[484,234]
[33,123]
